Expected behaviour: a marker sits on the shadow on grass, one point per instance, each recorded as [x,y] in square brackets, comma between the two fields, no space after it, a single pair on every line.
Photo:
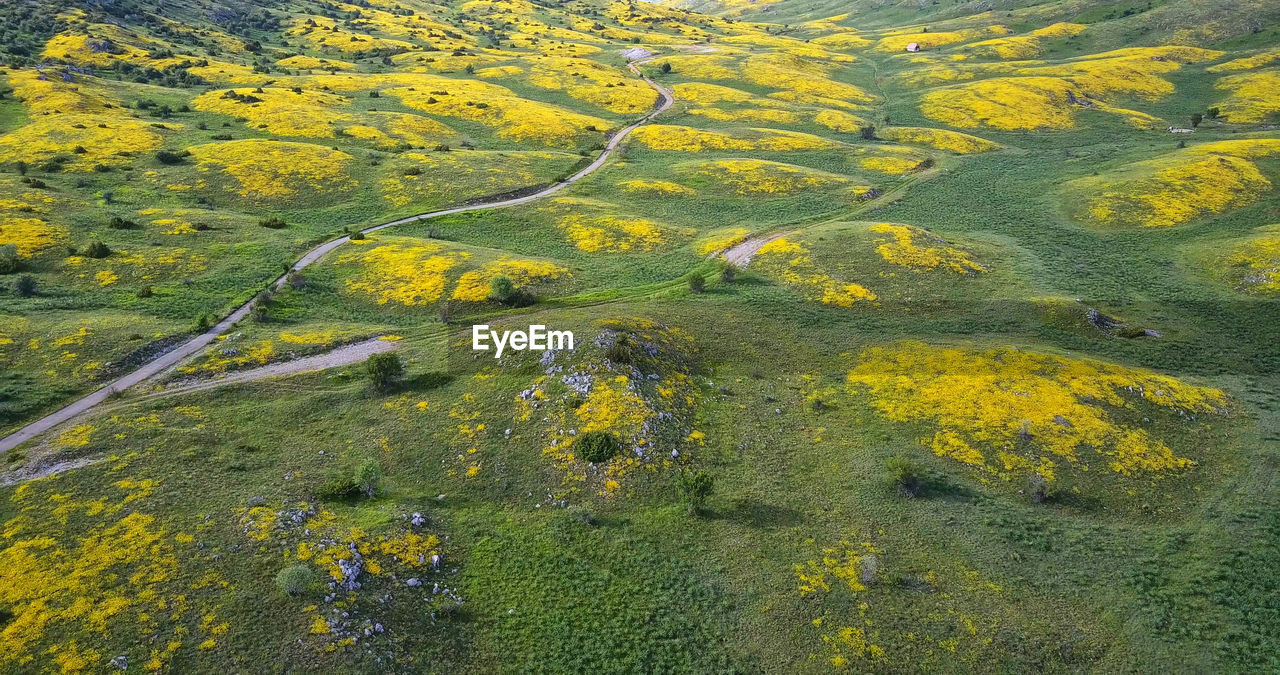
[757,514]
[423,382]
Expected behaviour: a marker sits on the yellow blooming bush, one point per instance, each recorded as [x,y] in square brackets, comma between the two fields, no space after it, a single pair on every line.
[900,247]
[1009,411]
[838,120]
[790,262]
[272,169]
[611,233]
[941,139]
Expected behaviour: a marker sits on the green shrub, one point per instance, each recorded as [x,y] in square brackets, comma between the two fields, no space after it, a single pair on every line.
[97,249]
[695,488]
[168,157]
[728,272]
[597,446]
[503,290]
[620,351]
[145,292]
[273,223]
[356,236]
[118,223]
[697,283]
[368,478]
[385,370]
[26,286]
[339,486]
[9,261]
[906,475]
[296,579]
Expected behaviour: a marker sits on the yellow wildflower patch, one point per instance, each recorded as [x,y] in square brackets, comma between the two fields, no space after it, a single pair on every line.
[612,234]
[29,235]
[266,169]
[404,273]
[1254,264]
[89,139]
[664,187]
[758,176]
[1029,411]
[1255,97]
[1179,187]
[302,62]
[931,40]
[689,139]
[723,240]
[790,262]
[941,139]
[473,286]
[900,248]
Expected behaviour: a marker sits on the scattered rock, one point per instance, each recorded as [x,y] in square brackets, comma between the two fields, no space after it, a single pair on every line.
[120,662]
[257,501]
[414,582]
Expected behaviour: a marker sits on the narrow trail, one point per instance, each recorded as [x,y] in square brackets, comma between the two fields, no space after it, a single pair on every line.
[191,347]
[341,356]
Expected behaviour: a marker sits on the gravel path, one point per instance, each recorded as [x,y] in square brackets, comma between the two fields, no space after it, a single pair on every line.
[741,254]
[187,349]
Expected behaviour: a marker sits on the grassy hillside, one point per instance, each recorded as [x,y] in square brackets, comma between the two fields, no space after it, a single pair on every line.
[996,391]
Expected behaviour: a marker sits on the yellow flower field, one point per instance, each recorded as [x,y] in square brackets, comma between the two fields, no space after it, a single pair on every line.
[790,262]
[1009,411]
[266,169]
[900,248]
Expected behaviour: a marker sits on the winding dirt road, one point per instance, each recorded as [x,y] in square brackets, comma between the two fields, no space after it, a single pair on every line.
[195,344]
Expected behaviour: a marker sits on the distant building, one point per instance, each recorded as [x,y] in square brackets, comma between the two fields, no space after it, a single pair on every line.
[913,46]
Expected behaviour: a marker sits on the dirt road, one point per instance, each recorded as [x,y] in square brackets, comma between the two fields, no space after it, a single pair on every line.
[195,344]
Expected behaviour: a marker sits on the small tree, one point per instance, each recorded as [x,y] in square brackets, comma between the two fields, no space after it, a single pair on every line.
[906,475]
[868,132]
[168,157]
[385,370]
[26,286]
[203,322]
[1213,113]
[1196,119]
[296,579]
[697,283]
[665,67]
[597,446]
[9,261]
[273,223]
[695,488]
[728,272]
[369,478]
[503,290]
[145,292]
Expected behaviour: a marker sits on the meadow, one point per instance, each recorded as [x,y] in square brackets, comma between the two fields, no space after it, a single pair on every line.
[995,389]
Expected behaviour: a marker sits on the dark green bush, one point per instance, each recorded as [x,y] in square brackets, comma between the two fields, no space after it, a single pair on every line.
[695,488]
[906,475]
[385,370]
[597,446]
[97,249]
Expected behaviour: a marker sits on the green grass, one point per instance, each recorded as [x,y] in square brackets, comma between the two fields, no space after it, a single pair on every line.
[556,569]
